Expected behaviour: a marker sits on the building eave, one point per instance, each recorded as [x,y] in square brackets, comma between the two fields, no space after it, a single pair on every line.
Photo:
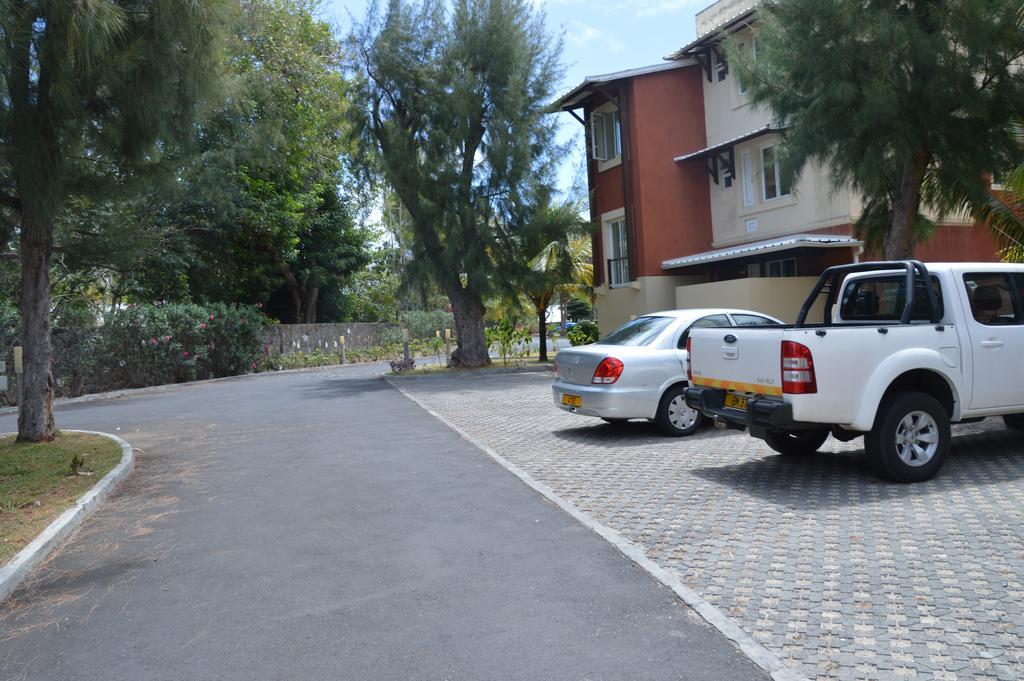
[714,35]
[761,248]
[575,97]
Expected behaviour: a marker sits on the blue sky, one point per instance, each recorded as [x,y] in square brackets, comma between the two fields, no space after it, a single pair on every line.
[599,38]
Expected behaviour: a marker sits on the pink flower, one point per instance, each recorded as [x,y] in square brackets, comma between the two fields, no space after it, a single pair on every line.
[203,325]
[152,341]
[259,306]
[184,353]
[167,338]
[211,318]
[254,365]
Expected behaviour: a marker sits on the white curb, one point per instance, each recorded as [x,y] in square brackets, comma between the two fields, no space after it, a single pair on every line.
[756,652]
[39,548]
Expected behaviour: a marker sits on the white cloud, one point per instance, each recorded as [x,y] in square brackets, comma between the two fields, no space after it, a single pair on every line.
[580,33]
[652,9]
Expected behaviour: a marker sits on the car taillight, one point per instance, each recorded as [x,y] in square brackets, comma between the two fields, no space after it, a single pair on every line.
[689,364]
[608,371]
[797,369]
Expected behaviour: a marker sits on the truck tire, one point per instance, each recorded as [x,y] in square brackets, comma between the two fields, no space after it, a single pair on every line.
[1014,421]
[675,418]
[910,439]
[796,443]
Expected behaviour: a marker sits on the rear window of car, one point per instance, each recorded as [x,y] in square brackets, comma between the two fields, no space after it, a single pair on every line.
[881,299]
[640,331]
[752,320]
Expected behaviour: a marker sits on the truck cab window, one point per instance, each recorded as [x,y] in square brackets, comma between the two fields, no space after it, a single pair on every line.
[992,299]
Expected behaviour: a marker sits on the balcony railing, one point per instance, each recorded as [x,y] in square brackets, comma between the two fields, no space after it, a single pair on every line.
[618,272]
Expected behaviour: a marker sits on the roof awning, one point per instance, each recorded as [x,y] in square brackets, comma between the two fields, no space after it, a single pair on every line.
[714,34]
[574,98]
[722,156]
[711,151]
[763,247]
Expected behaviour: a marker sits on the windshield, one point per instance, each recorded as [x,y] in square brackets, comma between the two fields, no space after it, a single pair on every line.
[640,331]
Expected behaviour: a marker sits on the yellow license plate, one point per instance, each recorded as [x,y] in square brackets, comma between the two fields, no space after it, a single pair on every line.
[736,402]
[572,400]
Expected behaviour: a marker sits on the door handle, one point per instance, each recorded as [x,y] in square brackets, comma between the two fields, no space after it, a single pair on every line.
[992,344]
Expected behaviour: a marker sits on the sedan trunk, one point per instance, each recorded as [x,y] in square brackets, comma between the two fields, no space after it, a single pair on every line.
[577,365]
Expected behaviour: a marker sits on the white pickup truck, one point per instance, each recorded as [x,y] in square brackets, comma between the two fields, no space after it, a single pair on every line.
[893,360]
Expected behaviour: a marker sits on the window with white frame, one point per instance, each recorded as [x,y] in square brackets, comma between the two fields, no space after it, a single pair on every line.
[721,65]
[776,182]
[741,87]
[618,253]
[747,177]
[605,135]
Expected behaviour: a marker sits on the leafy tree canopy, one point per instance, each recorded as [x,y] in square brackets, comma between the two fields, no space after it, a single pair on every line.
[454,111]
[908,101]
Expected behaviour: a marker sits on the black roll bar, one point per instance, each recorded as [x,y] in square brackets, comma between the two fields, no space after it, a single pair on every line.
[832,277]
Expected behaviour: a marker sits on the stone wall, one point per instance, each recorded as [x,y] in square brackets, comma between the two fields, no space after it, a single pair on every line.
[285,338]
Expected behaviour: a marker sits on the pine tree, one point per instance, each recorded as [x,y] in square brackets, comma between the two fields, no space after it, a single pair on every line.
[455,103]
[89,91]
[908,101]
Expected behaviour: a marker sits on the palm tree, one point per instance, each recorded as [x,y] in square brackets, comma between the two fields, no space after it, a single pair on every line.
[562,264]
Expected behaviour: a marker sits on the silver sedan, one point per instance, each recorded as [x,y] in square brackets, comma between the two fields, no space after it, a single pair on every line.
[638,371]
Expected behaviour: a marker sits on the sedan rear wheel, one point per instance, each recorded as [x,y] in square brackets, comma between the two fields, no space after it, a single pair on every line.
[674,417]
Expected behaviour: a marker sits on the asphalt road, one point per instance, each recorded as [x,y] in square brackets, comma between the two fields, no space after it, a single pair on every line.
[322,526]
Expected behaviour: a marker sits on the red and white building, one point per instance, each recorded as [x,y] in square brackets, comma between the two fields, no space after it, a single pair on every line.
[693,207]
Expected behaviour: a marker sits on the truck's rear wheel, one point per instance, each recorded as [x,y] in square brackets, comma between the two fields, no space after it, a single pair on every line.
[796,443]
[1014,421]
[911,437]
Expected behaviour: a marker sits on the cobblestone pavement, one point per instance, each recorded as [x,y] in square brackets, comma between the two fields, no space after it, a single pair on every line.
[843,575]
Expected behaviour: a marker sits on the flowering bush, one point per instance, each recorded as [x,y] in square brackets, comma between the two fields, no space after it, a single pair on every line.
[155,344]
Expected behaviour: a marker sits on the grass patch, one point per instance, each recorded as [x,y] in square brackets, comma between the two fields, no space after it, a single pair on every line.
[37,483]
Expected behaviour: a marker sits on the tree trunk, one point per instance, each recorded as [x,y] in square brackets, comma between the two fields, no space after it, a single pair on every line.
[35,410]
[899,241]
[294,296]
[542,330]
[312,294]
[468,311]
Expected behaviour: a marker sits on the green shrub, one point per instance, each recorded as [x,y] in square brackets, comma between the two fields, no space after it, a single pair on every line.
[508,341]
[155,344]
[300,360]
[583,333]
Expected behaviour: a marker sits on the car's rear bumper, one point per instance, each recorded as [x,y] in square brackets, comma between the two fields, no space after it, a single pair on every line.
[608,401]
[762,413]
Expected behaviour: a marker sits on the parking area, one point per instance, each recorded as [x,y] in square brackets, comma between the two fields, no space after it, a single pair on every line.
[842,574]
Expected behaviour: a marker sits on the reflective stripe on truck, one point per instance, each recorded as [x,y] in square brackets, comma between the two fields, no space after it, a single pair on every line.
[736,386]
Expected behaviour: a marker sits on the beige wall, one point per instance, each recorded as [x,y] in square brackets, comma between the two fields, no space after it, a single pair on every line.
[780,298]
[710,18]
[728,113]
[813,204]
[645,295]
